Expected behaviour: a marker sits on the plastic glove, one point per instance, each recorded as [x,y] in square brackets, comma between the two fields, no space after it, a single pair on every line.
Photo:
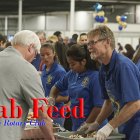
[104,132]
[115,131]
[92,127]
[84,127]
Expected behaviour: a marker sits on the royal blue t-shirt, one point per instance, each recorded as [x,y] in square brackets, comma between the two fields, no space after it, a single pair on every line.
[138,64]
[84,85]
[120,82]
[49,78]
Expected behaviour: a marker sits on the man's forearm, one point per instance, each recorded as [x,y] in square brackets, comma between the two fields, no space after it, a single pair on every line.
[105,111]
[93,114]
[48,128]
[126,113]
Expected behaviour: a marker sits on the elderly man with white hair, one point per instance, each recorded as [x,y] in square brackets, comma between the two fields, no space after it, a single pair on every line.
[19,84]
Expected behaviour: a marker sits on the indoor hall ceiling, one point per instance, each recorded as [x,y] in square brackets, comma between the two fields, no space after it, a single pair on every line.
[10,7]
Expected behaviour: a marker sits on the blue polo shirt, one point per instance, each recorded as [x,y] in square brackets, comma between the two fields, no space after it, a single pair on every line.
[84,85]
[49,78]
[36,62]
[120,82]
[138,64]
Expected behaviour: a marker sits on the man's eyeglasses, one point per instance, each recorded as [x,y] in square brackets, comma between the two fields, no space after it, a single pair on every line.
[92,43]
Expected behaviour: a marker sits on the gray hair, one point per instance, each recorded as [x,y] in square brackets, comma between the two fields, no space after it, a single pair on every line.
[41,33]
[103,32]
[26,38]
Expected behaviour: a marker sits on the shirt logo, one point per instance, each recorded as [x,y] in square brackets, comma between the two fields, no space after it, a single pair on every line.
[49,79]
[85,81]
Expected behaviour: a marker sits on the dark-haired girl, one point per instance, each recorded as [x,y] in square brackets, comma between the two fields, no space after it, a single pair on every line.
[81,82]
[52,72]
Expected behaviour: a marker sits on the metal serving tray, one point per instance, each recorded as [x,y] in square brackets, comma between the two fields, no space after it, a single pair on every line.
[65,136]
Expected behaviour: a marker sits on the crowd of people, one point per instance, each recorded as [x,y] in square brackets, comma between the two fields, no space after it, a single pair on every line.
[86,67]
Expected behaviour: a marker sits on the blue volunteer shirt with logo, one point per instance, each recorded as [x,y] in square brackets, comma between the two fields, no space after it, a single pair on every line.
[49,78]
[84,85]
[120,82]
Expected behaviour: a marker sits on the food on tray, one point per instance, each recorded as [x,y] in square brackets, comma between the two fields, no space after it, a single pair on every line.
[91,135]
[75,136]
